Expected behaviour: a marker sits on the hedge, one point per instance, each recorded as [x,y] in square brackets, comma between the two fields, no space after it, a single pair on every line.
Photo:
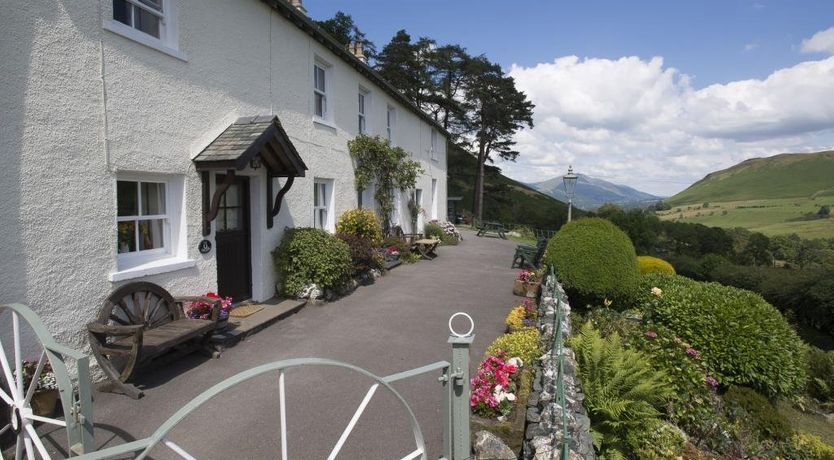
[311,255]
[594,261]
[742,339]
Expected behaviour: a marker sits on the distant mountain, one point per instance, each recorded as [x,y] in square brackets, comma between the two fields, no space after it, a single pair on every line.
[592,193]
[788,175]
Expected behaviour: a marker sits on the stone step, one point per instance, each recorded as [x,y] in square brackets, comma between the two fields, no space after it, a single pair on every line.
[274,310]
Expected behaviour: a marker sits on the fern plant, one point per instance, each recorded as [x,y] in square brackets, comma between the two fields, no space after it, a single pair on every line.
[622,390]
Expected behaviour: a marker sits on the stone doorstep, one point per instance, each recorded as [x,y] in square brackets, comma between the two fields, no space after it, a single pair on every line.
[274,310]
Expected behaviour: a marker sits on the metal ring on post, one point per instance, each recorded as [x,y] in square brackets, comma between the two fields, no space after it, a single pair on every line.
[471,325]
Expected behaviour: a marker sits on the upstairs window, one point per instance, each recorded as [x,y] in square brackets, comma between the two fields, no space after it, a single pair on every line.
[144,15]
[142,217]
[320,91]
[362,127]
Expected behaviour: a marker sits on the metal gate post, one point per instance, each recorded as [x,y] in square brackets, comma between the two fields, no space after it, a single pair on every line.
[460,389]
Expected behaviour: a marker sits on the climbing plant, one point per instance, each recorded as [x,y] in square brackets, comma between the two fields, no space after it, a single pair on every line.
[389,168]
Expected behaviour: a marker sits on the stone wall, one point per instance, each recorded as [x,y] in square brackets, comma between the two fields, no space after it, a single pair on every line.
[544,436]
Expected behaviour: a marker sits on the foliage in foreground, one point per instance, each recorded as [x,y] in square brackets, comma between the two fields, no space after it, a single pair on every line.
[757,410]
[622,391]
[821,374]
[742,339]
[310,255]
[523,344]
[595,261]
[649,264]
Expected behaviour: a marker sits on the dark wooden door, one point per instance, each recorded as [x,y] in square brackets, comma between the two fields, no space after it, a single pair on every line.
[234,268]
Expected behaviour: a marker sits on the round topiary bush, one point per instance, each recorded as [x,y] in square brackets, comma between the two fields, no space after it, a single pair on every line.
[649,264]
[311,256]
[594,260]
[362,223]
[742,339]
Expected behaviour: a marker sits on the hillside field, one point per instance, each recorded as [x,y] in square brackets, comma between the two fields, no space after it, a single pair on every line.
[769,216]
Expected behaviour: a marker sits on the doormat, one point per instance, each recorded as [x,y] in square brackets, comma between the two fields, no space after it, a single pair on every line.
[245,310]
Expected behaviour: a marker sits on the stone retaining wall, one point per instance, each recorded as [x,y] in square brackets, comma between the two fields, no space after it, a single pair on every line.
[544,434]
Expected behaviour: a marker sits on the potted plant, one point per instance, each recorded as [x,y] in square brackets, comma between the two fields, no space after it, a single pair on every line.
[202,310]
[46,391]
[527,284]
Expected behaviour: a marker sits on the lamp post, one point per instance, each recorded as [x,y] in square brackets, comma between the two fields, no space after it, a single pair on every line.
[569,180]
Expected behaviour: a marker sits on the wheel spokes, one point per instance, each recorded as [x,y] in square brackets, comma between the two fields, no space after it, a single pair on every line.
[282,400]
[18,447]
[27,442]
[7,372]
[35,377]
[18,363]
[33,436]
[8,399]
[352,423]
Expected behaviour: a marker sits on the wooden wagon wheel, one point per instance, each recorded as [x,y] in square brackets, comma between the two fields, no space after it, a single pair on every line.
[28,337]
[116,338]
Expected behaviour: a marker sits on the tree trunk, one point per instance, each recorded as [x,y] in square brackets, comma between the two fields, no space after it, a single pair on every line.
[478,207]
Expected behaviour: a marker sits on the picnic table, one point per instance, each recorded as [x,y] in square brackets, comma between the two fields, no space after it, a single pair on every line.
[426,247]
[492,227]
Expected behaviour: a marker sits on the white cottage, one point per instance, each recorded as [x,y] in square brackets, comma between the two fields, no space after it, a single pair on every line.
[135,133]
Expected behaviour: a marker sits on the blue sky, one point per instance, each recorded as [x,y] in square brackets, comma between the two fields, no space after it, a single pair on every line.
[699,43]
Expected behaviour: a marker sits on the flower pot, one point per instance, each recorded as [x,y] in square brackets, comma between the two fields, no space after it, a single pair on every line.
[43,403]
[523,289]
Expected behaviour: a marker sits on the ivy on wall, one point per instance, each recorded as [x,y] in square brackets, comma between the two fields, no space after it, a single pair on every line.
[389,168]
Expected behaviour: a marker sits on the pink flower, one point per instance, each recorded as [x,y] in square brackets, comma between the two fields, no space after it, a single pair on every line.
[693,353]
[711,381]
[651,334]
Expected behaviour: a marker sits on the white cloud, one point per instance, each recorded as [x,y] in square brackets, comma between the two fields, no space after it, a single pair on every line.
[821,42]
[639,123]
[750,46]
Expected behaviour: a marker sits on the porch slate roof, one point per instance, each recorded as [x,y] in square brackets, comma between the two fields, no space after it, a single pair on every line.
[251,137]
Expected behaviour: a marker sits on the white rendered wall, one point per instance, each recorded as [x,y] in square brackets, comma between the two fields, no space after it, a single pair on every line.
[66,82]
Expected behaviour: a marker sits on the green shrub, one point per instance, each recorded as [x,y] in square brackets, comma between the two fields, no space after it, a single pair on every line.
[362,253]
[410,257]
[449,240]
[362,223]
[594,260]
[657,440]
[434,231]
[810,447]
[523,344]
[649,264]
[821,374]
[622,391]
[741,338]
[310,255]
[751,407]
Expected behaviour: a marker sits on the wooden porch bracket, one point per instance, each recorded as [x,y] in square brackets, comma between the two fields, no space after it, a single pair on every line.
[273,208]
[210,211]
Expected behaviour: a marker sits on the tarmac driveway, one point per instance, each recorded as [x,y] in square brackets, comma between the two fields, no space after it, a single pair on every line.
[397,324]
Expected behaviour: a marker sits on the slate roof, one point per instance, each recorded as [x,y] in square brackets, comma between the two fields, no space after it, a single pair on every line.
[251,137]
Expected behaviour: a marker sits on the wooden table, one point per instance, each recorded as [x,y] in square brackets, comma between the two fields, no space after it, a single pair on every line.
[492,227]
[426,248]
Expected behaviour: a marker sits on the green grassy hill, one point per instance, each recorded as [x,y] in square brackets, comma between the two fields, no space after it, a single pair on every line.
[776,196]
[505,200]
[788,175]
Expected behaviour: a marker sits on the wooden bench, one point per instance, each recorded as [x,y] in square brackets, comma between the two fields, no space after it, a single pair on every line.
[140,322]
[527,256]
[426,247]
[492,227]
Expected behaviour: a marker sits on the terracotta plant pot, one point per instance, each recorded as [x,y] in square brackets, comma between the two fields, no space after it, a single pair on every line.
[43,403]
[520,288]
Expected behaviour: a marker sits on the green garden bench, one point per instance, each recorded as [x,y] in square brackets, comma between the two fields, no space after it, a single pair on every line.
[527,256]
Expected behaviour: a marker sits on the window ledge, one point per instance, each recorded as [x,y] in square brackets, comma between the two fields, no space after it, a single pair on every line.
[156,267]
[140,37]
[323,122]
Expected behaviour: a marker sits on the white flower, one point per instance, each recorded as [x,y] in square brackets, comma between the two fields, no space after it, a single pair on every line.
[501,395]
[517,362]
[657,292]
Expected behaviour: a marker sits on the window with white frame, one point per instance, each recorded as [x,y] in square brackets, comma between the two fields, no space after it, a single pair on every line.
[362,117]
[433,144]
[143,220]
[144,15]
[323,204]
[390,123]
[320,82]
